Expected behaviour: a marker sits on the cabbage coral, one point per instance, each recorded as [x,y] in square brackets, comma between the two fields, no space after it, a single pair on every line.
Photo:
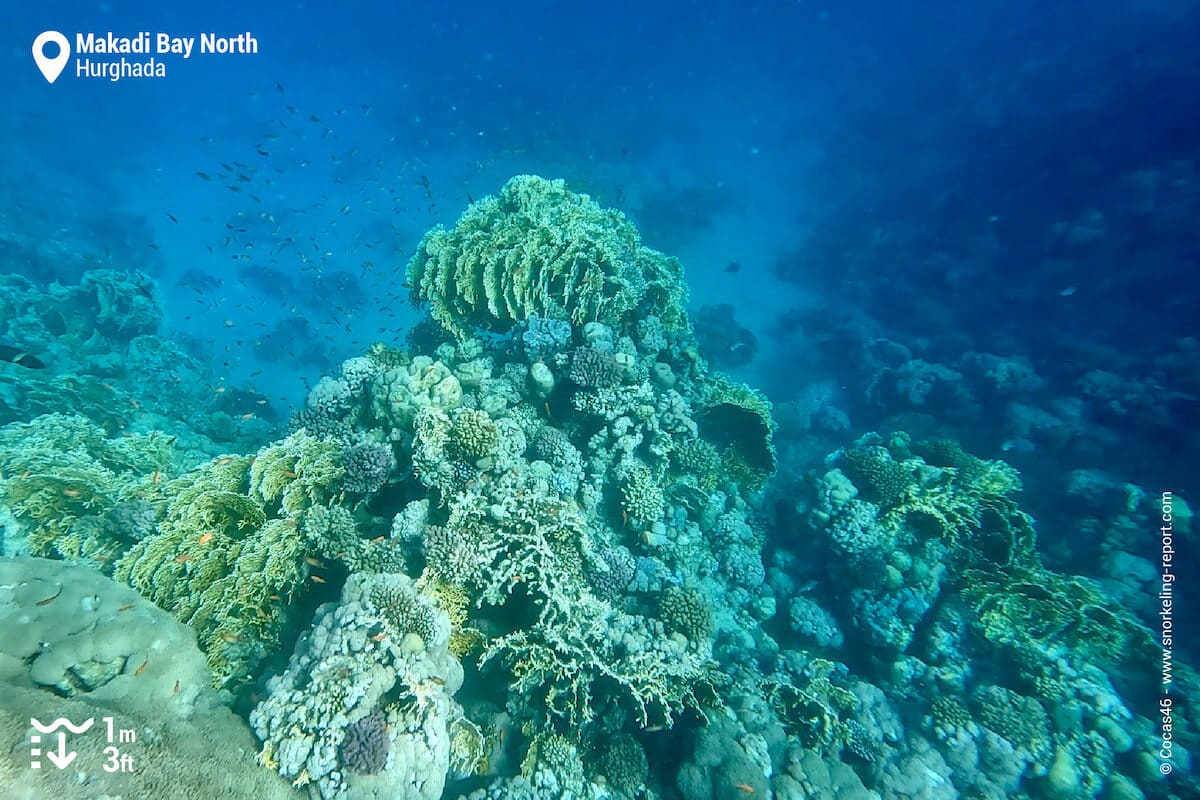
[540,249]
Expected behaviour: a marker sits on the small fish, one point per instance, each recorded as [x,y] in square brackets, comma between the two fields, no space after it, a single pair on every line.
[125,607]
[733,266]
[287,473]
[204,176]
[176,689]
[51,598]
[72,492]
[172,218]
[156,477]
[1067,292]
[744,788]
[205,538]
[437,680]
[183,558]
[313,562]
[226,460]
[247,416]
[230,637]
[138,671]
[317,579]
[19,357]
[379,637]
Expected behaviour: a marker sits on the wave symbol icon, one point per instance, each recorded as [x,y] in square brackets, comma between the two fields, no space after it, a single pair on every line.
[63,722]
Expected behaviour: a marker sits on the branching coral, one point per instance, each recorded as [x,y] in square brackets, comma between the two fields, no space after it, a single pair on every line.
[61,473]
[229,554]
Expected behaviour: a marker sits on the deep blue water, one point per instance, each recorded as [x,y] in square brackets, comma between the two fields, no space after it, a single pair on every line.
[729,133]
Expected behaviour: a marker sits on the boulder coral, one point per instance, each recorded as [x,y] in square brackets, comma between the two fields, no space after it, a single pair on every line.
[78,645]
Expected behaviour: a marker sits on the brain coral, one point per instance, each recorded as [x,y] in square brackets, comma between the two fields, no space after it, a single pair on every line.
[541,249]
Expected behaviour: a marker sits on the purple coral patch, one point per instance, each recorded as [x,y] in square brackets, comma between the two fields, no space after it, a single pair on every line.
[365,748]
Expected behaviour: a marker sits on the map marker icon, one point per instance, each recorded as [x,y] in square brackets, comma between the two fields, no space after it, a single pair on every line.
[51,67]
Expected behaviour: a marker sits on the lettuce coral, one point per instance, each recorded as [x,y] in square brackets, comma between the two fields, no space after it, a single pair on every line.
[540,249]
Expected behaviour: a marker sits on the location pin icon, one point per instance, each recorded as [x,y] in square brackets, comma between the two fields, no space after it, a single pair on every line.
[51,67]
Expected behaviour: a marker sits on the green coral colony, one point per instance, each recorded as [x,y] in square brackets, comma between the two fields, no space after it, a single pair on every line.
[530,545]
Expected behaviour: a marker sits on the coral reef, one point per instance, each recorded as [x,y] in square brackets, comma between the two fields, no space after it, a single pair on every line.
[533,540]
[364,709]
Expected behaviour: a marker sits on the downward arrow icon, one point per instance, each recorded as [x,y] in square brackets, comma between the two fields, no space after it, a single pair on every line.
[62,759]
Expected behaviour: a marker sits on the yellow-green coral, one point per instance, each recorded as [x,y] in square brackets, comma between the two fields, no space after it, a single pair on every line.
[738,421]
[468,748]
[60,470]
[473,433]
[454,600]
[540,249]
[963,500]
[1036,613]
[229,555]
[297,472]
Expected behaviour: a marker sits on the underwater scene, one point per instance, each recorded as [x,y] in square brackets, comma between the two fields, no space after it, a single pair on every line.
[672,400]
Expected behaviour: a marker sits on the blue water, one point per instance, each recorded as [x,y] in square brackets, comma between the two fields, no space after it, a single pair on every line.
[900,202]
